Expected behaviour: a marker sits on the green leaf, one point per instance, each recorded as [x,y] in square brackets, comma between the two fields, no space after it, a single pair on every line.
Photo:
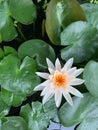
[59,14]
[36,118]
[18,99]
[6,51]
[2,116]
[90,76]
[72,33]
[3,106]
[51,110]
[12,99]
[9,50]
[91,12]
[79,112]
[37,49]
[71,12]
[7,30]
[53,27]
[40,115]
[7,97]
[81,39]
[90,122]
[4,113]
[26,112]
[14,123]
[23,11]
[18,77]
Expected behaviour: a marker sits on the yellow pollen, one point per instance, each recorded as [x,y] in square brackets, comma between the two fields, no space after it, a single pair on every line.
[59,79]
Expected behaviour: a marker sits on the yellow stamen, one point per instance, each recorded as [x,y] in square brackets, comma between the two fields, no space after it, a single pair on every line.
[59,79]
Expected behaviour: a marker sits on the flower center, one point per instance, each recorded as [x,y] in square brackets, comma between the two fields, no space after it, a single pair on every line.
[59,79]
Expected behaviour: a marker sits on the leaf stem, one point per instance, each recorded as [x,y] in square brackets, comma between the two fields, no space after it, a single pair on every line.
[22,35]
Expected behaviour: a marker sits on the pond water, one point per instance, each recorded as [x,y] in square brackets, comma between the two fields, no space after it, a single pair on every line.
[55,126]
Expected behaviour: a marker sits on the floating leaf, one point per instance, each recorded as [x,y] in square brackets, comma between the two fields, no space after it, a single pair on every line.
[91,12]
[14,123]
[82,39]
[12,8]
[59,14]
[6,51]
[12,99]
[40,115]
[90,122]
[51,110]
[38,50]
[9,50]
[79,112]
[3,114]
[3,106]
[23,11]
[35,118]
[91,77]
[53,27]
[7,97]
[7,30]
[18,77]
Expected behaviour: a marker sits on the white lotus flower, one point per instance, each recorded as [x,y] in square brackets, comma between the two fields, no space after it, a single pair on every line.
[60,81]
